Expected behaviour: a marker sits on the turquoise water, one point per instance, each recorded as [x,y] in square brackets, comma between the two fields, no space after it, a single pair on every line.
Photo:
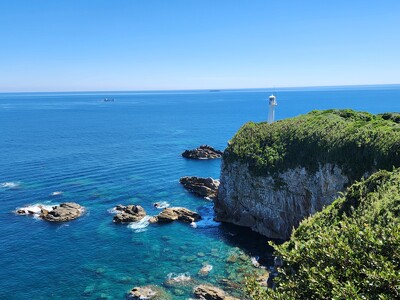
[128,151]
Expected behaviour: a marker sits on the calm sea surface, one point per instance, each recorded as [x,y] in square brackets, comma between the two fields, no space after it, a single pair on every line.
[100,154]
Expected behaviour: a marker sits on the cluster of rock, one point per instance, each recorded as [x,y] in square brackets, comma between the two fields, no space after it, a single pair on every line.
[59,213]
[135,213]
[204,292]
[129,213]
[203,187]
[202,152]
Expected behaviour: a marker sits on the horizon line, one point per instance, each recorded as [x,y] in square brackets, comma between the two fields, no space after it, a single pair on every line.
[207,89]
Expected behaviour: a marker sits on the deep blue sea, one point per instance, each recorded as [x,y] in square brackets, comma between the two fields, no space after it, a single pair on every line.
[100,154]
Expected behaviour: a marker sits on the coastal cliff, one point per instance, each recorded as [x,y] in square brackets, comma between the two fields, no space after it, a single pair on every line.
[275,175]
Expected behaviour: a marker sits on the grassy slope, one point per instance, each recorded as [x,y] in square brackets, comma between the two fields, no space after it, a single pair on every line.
[357,141]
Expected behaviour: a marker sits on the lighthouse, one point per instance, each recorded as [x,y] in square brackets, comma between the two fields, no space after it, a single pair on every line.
[271,109]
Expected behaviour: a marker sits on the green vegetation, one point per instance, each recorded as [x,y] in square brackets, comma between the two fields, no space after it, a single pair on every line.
[358,142]
[350,250]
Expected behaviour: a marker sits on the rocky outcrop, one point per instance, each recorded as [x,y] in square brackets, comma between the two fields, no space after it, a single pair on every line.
[203,187]
[209,292]
[151,292]
[271,205]
[203,152]
[129,213]
[176,213]
[62,213]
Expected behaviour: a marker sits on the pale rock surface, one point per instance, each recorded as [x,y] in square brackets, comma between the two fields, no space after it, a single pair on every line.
[272,208]
[209,292]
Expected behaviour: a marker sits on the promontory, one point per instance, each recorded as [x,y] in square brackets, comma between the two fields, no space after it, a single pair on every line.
[275,175]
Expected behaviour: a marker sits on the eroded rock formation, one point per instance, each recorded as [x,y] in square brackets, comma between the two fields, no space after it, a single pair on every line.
[203,187]
[271,209]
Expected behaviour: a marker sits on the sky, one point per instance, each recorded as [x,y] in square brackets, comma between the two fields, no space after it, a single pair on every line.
[103,45]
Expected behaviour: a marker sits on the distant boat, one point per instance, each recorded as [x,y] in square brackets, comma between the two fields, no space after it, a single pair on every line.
[108,99]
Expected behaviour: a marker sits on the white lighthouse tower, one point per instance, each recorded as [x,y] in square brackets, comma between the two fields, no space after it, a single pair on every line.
[271,109]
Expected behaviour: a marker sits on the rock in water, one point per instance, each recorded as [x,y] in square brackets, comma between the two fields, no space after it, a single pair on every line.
[151,292]
[205,270]
[209,292]
[176,213]
[62,213]
[129,213]
[203,187]
[203,152]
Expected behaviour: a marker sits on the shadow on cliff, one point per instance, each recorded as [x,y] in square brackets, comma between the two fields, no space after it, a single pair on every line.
[251,242]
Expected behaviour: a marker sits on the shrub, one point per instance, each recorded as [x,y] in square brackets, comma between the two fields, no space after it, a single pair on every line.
[359,142]
[350,250]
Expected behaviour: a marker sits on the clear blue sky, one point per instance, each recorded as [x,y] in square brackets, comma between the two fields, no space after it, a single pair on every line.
[77,45]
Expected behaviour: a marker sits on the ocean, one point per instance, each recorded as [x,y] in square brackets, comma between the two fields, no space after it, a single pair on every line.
[59,147]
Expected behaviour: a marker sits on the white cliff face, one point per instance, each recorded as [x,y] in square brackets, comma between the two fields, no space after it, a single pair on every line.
[272,208]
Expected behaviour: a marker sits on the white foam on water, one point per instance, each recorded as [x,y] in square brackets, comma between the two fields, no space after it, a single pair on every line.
[254,261]
[205,222]
[182,277]
[10,185]
[161,205]
[35,209]
[140,226]
[193,224]
[113,210]
[207,218]
[57,193]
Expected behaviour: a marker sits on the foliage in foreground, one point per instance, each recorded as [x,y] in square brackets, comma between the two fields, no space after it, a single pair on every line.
[350,250]
[359,142]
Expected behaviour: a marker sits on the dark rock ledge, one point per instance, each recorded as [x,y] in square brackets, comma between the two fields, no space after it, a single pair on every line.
[202,152]
[203,187]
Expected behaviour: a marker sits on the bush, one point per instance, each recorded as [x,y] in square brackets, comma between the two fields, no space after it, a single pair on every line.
[350,250]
